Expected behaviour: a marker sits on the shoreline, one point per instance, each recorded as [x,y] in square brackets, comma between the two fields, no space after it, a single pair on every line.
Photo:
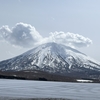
[12,98]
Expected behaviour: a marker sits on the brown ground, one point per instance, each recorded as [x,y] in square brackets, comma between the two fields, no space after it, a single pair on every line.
[38,75]
[35,75]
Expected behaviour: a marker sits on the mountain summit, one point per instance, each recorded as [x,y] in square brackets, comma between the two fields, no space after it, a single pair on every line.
[54,58]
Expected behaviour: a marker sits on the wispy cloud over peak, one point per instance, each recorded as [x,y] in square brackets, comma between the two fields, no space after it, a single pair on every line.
[69,39]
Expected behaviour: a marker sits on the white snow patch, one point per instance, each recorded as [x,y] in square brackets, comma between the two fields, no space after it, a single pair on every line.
[15,75]
[84,81]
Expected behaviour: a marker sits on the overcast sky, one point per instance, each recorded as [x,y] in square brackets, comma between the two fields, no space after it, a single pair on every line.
[30,22]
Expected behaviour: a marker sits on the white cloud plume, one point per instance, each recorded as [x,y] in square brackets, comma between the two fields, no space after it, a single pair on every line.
[21,34]
[71,39]
[25,35]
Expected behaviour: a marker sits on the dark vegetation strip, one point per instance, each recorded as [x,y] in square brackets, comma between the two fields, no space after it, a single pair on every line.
[39,75]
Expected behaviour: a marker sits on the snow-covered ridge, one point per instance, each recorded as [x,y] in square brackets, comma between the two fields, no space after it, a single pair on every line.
[65,52]
[51,57]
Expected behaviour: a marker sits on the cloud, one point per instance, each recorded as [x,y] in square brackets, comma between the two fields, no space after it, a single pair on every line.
[69,39]
[4,32]
[25,35]
[21,34]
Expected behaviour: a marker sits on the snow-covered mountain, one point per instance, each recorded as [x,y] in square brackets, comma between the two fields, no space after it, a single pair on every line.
[53,58]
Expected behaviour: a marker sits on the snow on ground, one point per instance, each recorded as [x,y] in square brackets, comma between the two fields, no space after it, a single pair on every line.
[43,89]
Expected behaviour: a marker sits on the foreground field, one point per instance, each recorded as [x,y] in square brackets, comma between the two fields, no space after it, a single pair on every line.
[23,89]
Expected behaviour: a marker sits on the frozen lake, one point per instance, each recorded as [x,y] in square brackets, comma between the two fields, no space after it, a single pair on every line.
[43,89]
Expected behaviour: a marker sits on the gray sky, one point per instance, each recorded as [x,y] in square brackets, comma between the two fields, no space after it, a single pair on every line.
[76,16]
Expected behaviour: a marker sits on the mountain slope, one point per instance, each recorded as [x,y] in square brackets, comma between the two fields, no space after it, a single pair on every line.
[54,58]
